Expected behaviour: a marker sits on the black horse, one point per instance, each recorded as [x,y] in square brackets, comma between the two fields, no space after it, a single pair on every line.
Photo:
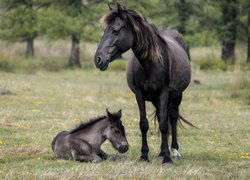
[159,70]
[84,142]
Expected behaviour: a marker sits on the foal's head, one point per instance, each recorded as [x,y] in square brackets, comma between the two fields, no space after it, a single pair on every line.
[116,133]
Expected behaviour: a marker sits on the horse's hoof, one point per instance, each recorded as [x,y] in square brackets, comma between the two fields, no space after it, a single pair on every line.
[175,154]
[167,165]
[167,160]
[144,159]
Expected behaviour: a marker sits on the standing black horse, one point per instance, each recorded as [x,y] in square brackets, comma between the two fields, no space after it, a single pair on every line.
[159,71]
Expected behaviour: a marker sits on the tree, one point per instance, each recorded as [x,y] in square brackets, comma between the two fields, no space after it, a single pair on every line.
[71,18]
[229,19]
[248,37]
[19,22]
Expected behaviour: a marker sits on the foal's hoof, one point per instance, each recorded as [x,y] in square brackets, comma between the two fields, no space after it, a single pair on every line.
[144,159]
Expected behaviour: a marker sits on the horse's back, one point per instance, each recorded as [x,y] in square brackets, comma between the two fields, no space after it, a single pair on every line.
[179,62]
[177,37]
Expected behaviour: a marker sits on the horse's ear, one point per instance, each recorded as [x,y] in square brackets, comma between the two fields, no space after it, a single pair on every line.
[119,7]
[110,8]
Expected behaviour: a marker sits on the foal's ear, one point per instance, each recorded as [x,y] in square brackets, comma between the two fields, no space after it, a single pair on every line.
[108,113]
[119,113]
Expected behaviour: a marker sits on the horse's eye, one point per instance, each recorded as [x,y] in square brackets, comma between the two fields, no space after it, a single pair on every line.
[115,32]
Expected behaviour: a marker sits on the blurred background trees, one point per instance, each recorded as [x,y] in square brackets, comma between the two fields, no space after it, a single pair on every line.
[202,22]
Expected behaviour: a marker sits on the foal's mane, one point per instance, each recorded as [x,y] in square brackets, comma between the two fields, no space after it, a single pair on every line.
[147,35]
[84,125]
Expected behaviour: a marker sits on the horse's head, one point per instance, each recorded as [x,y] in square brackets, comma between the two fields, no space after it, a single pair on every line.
[117,38]
[116,133]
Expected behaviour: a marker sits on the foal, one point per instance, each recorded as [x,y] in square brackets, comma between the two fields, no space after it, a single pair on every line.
[83,143]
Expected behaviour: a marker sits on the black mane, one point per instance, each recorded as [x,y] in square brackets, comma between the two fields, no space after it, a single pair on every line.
[147,35]
[84,125]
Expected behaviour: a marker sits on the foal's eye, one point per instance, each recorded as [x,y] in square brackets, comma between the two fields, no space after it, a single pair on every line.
[117,131]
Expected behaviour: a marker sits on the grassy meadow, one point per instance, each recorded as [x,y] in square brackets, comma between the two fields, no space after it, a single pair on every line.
[36,105]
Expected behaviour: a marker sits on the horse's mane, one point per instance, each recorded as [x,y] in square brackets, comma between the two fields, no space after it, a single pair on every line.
[84,125]
[147,35]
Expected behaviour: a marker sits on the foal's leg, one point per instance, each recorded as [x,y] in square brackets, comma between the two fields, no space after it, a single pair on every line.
[82,151]
[174,115]
[103,155]
[143,126]
[84,158]
[163,123]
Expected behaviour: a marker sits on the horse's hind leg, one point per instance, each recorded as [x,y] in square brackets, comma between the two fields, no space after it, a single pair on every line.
[164,125]
[174,115]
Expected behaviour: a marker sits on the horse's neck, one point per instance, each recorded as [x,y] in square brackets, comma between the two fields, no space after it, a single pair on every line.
[145,63]
[94,134]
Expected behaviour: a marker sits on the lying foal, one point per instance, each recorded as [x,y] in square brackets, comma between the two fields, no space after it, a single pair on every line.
[83,143]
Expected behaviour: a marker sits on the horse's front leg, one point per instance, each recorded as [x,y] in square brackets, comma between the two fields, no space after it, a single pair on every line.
[163,125]
[143,126]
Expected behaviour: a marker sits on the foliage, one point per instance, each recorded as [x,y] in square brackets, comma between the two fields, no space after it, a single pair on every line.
[19,19]
[240,90]
[211,64]
[65,18]
[31,66]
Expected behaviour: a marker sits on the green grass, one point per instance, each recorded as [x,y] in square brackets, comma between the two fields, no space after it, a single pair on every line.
[39,105]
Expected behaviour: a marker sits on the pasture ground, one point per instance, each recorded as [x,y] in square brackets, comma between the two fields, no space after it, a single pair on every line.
[35,107]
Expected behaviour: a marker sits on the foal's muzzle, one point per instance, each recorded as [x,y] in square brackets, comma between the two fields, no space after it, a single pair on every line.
[123,148]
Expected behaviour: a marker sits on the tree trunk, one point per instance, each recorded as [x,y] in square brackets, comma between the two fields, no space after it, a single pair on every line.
[182,13]
[230,13]
[183,16]
[30,48]
[248,35]
[74,60]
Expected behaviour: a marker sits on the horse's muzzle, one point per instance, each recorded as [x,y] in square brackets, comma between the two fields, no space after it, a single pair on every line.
[101,63]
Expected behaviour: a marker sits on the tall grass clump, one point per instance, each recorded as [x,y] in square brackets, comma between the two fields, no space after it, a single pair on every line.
[119,65]
[241,90]
[31,65]
[211,63]
[5,64]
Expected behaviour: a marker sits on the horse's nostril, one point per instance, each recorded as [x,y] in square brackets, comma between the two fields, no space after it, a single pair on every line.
[99,60]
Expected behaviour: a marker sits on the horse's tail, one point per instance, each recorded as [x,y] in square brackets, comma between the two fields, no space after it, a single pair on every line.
[180,119]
